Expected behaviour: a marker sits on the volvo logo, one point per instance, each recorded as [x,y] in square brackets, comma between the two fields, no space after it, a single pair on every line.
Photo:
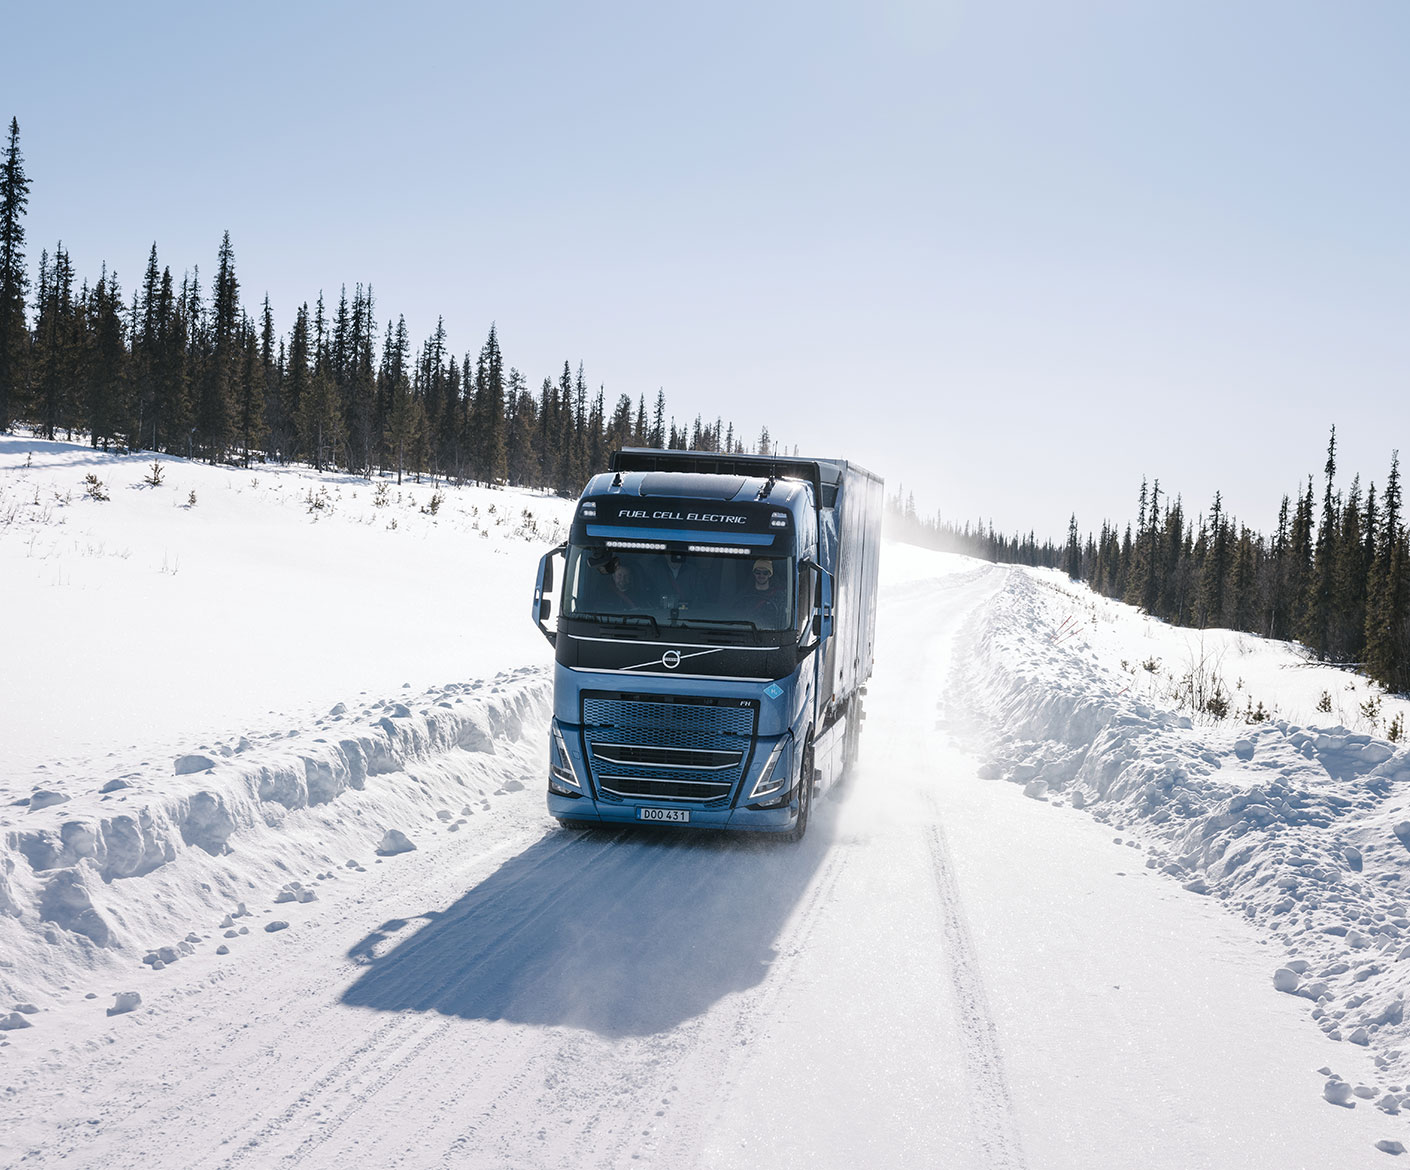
[671,659]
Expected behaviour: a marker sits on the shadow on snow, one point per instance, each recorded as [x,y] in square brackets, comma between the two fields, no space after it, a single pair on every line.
[623,934]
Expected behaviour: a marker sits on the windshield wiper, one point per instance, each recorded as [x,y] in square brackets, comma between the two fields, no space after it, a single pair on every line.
[718,623]
[625,620]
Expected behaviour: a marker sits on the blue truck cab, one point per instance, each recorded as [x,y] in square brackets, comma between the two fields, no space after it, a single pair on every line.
[713,621]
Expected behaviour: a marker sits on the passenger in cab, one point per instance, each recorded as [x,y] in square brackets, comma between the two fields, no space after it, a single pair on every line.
[680,581]
[763,601]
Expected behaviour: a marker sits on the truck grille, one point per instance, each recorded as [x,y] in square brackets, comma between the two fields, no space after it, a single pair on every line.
[675,749]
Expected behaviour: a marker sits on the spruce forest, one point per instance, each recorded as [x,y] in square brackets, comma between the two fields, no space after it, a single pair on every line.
[175,370]
[1332,576]
[172,370]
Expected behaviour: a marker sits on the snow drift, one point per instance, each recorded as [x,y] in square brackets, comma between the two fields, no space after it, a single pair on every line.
[104,874]
[1304,830]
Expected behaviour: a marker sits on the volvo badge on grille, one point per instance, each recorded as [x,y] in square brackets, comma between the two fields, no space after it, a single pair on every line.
[671,659]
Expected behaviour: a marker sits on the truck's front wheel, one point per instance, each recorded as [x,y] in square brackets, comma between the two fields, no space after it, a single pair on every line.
[805,795]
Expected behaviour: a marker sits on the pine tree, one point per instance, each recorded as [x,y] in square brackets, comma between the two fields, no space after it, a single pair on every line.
[1397,617]
[278,427]
[215,406]
[1173,598]
[454,422]
[1347,625]
[658,422]
[491,463]
[1300,561]
[1239,604]
[593,458]
[619,429]
[340,348]
[1277,623]
[406,419]
[1150,587]
[432,387]
[358,383]
[521,428]
[546,455]
[14,281]
[1214,575]
[1123,563]
[320,427]
[57,345]
[298,385]
[105,375]
[1387,656]
[580,432]
[249,390]
[196,334]
[1138,570]
[1316,629]
[145,353]
[1072,556]
[393,378]
[567,439]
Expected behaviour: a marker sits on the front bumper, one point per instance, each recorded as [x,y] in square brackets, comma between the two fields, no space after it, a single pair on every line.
[586,810]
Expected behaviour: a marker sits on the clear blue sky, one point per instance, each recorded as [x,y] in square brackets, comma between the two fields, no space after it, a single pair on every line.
[1012,255]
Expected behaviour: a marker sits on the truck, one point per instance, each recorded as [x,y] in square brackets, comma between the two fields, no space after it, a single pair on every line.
[713,624]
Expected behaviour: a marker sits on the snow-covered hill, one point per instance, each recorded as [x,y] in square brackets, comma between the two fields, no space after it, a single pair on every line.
[277,885]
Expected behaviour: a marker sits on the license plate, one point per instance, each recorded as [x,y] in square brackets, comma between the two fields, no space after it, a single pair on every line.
[677,815]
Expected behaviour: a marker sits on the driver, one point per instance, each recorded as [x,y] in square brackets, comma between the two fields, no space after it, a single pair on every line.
[762,601]
[621,587]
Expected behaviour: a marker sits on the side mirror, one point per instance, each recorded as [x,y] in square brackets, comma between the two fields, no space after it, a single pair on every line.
[820,625]
[543,593]
[824,618]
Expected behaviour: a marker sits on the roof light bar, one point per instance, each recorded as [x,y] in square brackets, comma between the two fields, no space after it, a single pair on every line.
[649,546]
[719,548]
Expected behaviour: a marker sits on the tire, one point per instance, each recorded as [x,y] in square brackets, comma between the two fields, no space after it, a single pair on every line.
[805,796]
[851,746]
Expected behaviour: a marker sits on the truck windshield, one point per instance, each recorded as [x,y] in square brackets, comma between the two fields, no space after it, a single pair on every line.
[680,589]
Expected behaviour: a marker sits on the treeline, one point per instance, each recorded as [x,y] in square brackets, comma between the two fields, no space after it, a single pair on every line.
[977,540]
[177,370]
[1333,575]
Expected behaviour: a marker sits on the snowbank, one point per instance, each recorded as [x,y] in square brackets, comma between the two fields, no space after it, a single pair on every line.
[1304,830]
[194,695]
[96,877]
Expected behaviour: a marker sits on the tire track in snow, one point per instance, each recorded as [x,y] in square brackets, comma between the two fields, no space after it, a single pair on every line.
[734,1038]
[428,1043]
[349,1078]
[983,1057]
[753,1017]
[646,1114]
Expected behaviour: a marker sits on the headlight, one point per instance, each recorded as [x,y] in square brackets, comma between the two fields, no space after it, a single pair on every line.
[774,776]
[560,763]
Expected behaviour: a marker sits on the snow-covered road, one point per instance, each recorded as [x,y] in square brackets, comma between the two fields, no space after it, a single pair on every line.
[944,973]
